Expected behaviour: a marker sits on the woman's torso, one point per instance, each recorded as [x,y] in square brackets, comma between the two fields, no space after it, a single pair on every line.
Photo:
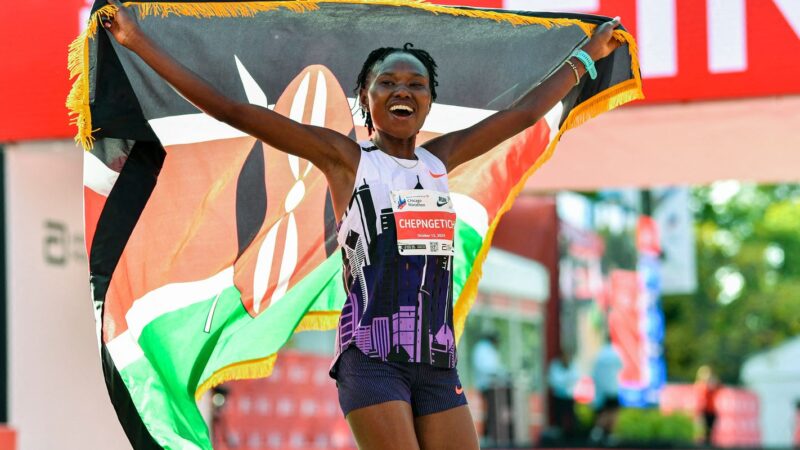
[396,238]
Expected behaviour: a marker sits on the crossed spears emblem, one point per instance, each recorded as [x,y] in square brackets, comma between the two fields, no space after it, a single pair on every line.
[309,104]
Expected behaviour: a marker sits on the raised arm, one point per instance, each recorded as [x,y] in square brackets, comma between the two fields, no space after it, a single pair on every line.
[333,153]
[461,146]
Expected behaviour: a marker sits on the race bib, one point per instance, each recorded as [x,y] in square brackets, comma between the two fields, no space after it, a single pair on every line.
[425,222]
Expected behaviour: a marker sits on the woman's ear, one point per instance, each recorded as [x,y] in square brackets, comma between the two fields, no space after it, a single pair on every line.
[362,100]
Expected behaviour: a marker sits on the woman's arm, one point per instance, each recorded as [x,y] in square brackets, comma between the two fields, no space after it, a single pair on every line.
[461,146]
[326,149]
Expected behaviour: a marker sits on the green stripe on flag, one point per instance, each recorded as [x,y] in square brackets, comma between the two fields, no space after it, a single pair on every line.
[183,357]
[169,420]
[467,244]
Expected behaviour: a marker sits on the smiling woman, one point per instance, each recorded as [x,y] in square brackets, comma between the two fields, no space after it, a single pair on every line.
[416,71]
[395,362]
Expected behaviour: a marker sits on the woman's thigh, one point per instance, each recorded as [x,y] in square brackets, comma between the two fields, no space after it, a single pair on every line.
[449,429]
[385,426]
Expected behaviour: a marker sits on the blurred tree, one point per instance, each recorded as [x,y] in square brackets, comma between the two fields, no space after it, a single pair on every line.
[748,259]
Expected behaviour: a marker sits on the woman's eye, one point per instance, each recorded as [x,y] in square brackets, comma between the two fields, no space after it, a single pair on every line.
[387,83]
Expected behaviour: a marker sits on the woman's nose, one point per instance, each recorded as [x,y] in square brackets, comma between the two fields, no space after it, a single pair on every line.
[402,90]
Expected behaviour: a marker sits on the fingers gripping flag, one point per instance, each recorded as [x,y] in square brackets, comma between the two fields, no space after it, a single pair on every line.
[209,248]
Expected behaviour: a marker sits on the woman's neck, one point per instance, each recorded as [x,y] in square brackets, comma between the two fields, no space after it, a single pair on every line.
[399,148]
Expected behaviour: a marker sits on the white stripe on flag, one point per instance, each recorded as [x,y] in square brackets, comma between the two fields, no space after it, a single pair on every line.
[553,118]
[448,118]
[471,212]
[193,128]
[124,350]
[97,176]
[172,297]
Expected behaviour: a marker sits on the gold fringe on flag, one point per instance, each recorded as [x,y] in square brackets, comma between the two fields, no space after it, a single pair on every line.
[261,368]
[318,320]
[78,66]
[78,98]
[78,60]
[255,368]
[250,9]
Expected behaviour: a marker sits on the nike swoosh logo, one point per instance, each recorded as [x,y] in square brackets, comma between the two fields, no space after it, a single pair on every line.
[441,203]
[459,390]
[437,175]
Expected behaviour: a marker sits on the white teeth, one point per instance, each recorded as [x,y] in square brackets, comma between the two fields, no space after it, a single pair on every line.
[401,107]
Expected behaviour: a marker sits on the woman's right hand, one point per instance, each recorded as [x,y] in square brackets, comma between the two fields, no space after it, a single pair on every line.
[122,25]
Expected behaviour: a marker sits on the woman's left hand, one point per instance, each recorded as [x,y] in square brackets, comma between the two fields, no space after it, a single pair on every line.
[602,42]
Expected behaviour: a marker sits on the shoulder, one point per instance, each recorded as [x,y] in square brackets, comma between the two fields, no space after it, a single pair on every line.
[431,160]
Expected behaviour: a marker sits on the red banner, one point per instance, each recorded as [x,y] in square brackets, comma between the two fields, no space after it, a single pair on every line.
[624,324]
[689,50]
[694,50]
[34,79]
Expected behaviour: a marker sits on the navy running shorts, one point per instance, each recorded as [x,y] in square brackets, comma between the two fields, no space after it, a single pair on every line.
[363,381]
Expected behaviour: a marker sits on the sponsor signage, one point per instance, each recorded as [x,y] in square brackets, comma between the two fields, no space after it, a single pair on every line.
[57,398]
[689,50]
[34,81]
[697,50]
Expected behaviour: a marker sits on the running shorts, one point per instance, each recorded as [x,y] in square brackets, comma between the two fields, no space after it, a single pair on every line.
[363,381]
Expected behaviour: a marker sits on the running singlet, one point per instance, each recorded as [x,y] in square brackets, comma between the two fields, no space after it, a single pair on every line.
[397,242]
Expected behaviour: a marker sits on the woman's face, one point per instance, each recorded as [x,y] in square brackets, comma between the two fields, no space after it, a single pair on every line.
[398,95]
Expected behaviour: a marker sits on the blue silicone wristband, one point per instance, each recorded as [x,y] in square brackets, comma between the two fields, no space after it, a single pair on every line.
[587,62]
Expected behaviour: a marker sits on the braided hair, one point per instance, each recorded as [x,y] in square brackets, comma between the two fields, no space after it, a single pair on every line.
[379,55]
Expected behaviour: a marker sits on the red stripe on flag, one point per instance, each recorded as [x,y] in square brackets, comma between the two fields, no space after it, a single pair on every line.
[93,204]
[185,231]
[490,178]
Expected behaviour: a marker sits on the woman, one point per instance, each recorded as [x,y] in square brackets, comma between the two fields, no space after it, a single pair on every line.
[398,389]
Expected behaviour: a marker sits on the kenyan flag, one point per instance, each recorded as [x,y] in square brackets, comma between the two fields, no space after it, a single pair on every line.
[209,248]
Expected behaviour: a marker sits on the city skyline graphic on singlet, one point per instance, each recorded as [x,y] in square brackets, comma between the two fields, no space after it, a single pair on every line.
[398,307]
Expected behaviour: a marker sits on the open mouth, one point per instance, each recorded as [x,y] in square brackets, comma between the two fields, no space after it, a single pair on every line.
[401,110]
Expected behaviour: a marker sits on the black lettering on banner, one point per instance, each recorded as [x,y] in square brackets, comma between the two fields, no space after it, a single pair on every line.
[78,248]
[60,246]
[56,244]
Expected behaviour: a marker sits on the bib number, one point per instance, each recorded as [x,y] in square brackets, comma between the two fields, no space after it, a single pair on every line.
[425,222]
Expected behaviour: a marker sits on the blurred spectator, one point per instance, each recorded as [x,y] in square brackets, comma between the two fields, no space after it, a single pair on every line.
[491,379]
[707,385]
[605,374]
[562,375]
[487,364]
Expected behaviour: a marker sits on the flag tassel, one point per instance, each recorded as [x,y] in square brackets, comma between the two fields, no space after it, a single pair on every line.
[261,368]
[78,98]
